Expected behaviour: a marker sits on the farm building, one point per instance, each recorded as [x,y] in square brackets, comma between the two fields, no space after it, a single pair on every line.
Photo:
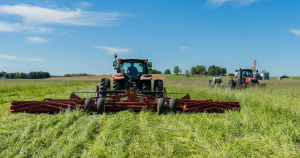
[282,77]
[264,75]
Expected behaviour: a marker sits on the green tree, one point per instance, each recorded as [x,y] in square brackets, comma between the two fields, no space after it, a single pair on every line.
[47,75]
[193,70]
[67,75]
[23,75]
[212,70]
[223,71]
[18,75]
[217,72]
[176,70]
[153,71]
[180,71]
[167,71]
[187,73]
[1,75]
[200,69]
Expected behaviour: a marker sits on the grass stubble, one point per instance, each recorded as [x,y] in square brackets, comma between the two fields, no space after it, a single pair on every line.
[266,126]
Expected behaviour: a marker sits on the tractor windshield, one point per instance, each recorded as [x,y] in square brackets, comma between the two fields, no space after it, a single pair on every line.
[133,68]
[245,74]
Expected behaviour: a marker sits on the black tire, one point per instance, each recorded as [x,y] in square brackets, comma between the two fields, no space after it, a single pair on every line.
[230,84]
[118,85]
[263,85]
[104,85]
[244,85]
[158,86]
[146,85]
[172,103]
[160,106]
[100,106]
[238,86]
[88,105]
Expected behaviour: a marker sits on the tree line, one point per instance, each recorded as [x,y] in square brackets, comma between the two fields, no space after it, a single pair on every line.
[199,70]
[30,75]
[74,75]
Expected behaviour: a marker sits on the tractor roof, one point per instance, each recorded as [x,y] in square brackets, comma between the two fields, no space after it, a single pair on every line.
[124,59]
[245,69]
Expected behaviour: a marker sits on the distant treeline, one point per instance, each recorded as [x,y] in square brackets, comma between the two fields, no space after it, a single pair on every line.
[74,75]
[30,75]
[153,71]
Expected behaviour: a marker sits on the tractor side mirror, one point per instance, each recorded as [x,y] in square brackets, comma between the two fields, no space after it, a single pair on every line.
[114,63]
[150,64]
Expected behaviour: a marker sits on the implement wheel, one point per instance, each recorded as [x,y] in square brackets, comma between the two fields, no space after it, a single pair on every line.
[263,85]
[88,105]
[173,105]
[160,106]
[100,106]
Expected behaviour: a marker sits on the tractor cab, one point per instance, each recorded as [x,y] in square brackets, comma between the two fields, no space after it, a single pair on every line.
[132,68]
[245,76]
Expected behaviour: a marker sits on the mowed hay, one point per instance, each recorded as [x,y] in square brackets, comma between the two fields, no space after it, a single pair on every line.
[94,78]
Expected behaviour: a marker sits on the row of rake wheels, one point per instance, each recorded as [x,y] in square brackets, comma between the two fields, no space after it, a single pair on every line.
[161,109]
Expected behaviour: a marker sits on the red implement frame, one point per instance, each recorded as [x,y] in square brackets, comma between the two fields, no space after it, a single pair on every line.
[135,101]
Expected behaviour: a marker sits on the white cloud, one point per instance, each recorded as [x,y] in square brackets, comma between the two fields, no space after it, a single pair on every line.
[218,3]
[37,40]
[8,27]
[15,27]
[85,4]
[295,32]
[9,57]
[112,50]
[183,48]
[34,15]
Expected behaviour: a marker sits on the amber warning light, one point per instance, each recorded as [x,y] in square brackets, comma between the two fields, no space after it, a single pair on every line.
[115,55]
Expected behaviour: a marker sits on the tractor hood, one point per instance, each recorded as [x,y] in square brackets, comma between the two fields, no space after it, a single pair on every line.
[251,78]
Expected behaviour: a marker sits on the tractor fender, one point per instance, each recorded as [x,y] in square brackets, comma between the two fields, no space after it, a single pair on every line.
[146,77]
[118,76]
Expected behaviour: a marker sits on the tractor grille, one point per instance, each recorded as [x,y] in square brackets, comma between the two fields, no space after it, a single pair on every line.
[253,81]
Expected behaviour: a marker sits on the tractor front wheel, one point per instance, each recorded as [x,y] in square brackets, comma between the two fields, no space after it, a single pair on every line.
[160,106]
[104,85]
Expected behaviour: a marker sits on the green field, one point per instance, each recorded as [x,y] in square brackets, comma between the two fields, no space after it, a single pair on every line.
[267,125]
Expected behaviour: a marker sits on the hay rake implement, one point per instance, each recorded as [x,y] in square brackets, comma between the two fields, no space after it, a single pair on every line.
[134,99]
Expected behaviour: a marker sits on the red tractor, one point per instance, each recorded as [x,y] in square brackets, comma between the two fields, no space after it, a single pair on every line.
[243,79]
[133,75]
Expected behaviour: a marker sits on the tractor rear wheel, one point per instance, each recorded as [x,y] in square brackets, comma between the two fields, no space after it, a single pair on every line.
[238,86]
[230,84]
[160,106]
[88,105]
[105,85]
[158,86]
[172,103]
[100,106]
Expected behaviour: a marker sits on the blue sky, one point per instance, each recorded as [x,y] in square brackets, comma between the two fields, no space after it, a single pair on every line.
[67,36]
